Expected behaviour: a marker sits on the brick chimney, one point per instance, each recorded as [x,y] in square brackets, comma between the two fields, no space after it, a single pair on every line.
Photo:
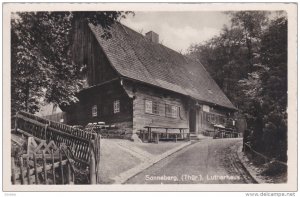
[152,36]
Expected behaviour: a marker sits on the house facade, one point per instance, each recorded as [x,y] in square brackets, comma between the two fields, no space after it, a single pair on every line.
[132,81]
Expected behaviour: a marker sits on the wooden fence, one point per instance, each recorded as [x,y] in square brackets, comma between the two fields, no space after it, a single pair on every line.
[42,164]
[248,149]
[82,145]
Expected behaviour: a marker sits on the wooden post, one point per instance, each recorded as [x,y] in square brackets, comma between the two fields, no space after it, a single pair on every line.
[157,138]
[92,167]
[69,173]
[53,168]
[44,168]
[28,170]
[167,135]
[13,170]
[35,169]
[21,170]
[16,122]
[149,134]
[143,134]
[61,168]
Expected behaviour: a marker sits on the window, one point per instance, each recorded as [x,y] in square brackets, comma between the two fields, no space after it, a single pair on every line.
[155,107]
[94,111]
[151,107]
[148,106]
[174,111]
[206,108]
[116,106]
[171,111]
[168,110]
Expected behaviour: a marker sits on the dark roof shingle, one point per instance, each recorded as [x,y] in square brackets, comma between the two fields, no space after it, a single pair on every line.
[133,56]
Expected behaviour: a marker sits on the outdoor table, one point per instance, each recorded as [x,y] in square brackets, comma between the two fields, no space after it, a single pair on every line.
[167,132]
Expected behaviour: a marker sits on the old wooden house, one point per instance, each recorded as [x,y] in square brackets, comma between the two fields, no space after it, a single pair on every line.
[133,81]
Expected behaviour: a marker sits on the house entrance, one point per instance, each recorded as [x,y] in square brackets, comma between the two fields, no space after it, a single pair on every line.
[192,121]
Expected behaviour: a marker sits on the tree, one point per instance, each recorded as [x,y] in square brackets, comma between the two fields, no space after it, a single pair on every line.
[248,60]
[42,69]
[267,86]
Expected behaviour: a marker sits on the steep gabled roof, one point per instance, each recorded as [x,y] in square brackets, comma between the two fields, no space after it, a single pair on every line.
[134,56]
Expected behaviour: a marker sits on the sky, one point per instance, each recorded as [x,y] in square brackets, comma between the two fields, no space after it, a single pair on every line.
[178,30]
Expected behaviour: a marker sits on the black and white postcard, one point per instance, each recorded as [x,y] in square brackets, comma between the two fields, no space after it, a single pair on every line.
[150,97]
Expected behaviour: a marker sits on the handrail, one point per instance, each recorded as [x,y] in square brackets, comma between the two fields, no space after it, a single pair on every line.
[264,156]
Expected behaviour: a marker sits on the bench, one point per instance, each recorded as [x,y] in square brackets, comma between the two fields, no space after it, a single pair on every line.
[168,134]
[223,132]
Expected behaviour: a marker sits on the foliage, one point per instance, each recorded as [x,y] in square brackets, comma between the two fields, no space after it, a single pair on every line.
[42,69]
[249,62]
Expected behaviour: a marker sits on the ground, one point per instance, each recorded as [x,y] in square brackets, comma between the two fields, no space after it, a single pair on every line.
[122,158]
[206,161]
[212,161]
[258,170]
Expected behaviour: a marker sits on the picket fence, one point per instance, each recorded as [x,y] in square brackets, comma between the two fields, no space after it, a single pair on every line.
[84,147]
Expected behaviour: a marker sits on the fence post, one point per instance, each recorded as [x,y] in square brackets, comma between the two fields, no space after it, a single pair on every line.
[95,159]
[53,168]
[21,170]
[35,169]
[13,170]
[69,173]
[61,168]
[92,167]
[28,170]
[44,167]
[16,122]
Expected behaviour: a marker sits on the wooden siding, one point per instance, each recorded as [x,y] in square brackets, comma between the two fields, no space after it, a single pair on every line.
[103,97]
[142,119]
[87,51]
[204,121]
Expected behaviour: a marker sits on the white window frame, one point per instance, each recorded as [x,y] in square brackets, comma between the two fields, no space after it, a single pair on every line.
[148,106]
[94,111]
[206,108]
[116,106]
[174,111]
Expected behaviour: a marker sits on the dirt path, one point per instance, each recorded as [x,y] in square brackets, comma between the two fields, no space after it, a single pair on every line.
[210,161]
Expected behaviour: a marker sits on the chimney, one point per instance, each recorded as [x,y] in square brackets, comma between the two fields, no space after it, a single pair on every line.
[152,36]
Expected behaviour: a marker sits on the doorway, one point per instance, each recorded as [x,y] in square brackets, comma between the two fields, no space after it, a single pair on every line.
[192,120]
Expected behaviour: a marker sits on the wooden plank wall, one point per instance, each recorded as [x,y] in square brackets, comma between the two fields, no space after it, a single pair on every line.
[203,124]
[141,119]
[103,97]
[86,50]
